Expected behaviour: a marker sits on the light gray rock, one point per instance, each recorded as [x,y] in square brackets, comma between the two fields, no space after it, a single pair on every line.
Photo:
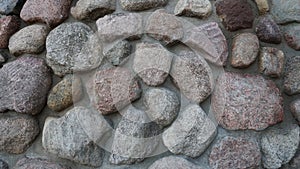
[295,109]
[173,162]
[197,8]
[285,11]
[271,61]
[38,163]
[119,52]
[139,5]
[8,6]
[291,78]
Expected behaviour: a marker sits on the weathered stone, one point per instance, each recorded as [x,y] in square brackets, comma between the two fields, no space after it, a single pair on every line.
[295,162]
[17,132]
[9,6]
[8,26]
[173,162]
[164,27]
[196,8]
[119,52]
[271,61]
[30,39]
[139,5]
[235,14]
[37,163]
[191,133]
[93,9]
[152,63]
[292,36]
[245,49]
[285,11]
[208,41]
[262,6]
[24,83]
[192,75]
[3,58]
[51,12]
[291,76]
[162,105]
[267,30]
[239,153]
[295,109]
[120,26]
[279,146]
[3,164]
[245,101]
[66,92]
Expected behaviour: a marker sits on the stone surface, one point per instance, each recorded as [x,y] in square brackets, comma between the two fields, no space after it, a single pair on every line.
[291,78]
[292,36]
[120,26]
[267,30]
[164,27]
[51,12]
[192,75]
[162,105]
[24,83]
[38,163]
[9,6]
[30,40]
[208,41]
[92,9]
[295,109]
[245,101]
[139,5]
[119,52]
[67,52]
[262,6]
[191,133]
[279,146]
[63,94]
[3,164]
[173,162]
[235,14]
[152,63]
[238,153]
[3,58]
[285,11]
[271,61]
[8,26]
[295,162]
[17,132]
[196,8]
[245,48]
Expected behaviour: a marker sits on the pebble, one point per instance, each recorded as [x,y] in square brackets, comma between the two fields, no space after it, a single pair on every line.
[3,164]
[267,30]
[139,5]
[292,36]
[194,8]
[295,109]
[262,6]
[119,52]
[245,101]
[245,49]
[285,11]
[8,26]
[173,162]
[291,78]
[38,163]
[9,6]
[152,63]
[191,133]
[271,61]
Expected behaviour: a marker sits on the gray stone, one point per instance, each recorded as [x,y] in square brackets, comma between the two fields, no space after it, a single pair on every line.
[9,6]
[8,26]
[139,5]
[3,58]
[285,11]
[38,163]
[271,61]
[295,162]
[3,164]
[268,31]
[292,35]
[279,146]
[152,63]
[173,162]
[191,133]
[262,6]
[291,78]
[196,8]
[295,109]
[119,52]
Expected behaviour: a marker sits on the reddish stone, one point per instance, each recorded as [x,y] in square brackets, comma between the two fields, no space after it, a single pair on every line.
[8,26]
[268,31]
[292,35]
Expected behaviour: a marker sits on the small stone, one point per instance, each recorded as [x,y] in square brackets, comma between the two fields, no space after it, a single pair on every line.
[93,9]
[120,26]
[245,49]
[8,26]
[262,6]
[285,11]
[162,105]
[51,12]
[235,14]
[30,40]
[37,163]
[245,101]
[66,92]
[9,6]
[268,31]
[119,52]
[295,109]
[139,5]
[194,8]
[173,162]
[279,146]
[271,62]
[238,153]
[291,78]
[164,27]
[18,131]
[292,36]
[24,83]
[3,164]
[152,63]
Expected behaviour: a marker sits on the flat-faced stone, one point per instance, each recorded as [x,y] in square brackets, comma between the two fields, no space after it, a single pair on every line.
[295,109]
[271,61]
[152,63]
[191,133]
[37,163]
[194,8]
[285,11]
[262,6]
[267,30]
[8,26]
[173,162]
[292,35]
[9,6]
[235,14]
[239,153]
[119,52]
[245,101]
[3,164]
[291,76]
[24,83]
[245,48]
[139,5]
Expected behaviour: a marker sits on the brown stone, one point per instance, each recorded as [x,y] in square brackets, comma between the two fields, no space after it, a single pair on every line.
[291,76]
[8,26]
[271,62]
[268,31]
[262,6]
[37,163]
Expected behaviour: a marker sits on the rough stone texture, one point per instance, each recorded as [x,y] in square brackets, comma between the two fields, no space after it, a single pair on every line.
[139,5]
[8,26]
[245,101]
[291,76]
[295,109]
[17,132]
[295,162]
[120,26]
[285,11]
[208,41]
[24,83]
[245,49]
[9,6]
[51,12]
[292,36]
[191,133]
[192,75]
[196,8]
[267,30]
[67,52]
[279,146]
[162,105]
[173,162]
[271,61]
[93,9]
[30,39]
[37,163]
[235,14]
[119,52]
[152,63]
[238,153]
[262,6]
[3,164]
[63,94]
[164,27]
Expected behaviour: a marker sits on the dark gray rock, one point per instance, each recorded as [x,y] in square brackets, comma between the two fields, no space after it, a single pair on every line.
[139,5]
[291,77]
[173,162]
[3,58]
[271,61]
[267,30]
[295,109]
[295,162]
[285,11]
[3,164]
[119,52]
[38,163]
[196,8]
[292,35]
[8,26]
